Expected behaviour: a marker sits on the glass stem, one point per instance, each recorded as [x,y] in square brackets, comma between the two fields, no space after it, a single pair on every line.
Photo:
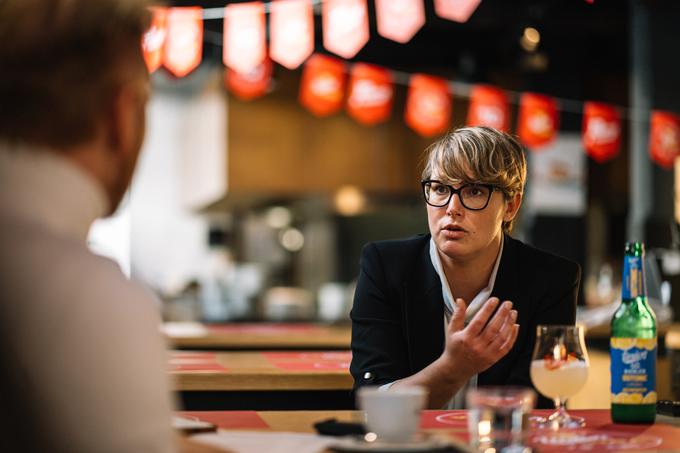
[560,405]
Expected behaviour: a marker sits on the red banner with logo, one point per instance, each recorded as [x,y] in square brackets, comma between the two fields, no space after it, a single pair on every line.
[538,120]
[488,107]
[154,38]
[428,105]
[370,94]
[664,138]
[244,36]
[291,24]
[601,131]
[345,26]
[399,20]
[456,10]
[252,84]
[322,87]
[184,42]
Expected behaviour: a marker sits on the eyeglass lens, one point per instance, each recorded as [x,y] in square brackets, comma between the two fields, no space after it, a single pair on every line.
[472,196]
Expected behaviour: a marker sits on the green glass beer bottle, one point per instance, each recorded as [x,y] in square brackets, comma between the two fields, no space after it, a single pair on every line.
[633,345]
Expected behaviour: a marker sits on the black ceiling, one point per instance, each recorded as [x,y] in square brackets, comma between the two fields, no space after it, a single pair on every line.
[581,44]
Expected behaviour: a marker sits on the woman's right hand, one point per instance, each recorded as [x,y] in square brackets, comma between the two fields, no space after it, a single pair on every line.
[486,339]
[469,350]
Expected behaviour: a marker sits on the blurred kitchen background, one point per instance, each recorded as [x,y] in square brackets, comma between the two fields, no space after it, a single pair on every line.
[257,210]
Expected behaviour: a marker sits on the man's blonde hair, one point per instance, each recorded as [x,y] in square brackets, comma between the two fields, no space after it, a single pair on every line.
[478,154]
[61,62]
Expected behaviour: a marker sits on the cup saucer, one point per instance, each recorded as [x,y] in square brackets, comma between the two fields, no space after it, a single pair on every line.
[419,444]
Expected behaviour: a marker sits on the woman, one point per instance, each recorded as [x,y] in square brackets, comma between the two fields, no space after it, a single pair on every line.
[459,307]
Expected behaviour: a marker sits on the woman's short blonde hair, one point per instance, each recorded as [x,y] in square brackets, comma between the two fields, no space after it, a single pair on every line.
[478,154]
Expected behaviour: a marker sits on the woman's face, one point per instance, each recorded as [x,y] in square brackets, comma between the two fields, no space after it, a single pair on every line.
[463,234]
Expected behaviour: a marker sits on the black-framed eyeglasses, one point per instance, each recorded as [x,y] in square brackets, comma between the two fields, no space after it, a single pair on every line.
[474,197]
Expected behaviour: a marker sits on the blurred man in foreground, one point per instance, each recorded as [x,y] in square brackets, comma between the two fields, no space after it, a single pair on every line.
[83,364]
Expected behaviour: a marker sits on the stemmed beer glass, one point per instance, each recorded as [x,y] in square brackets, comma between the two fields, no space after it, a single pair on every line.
[559,369]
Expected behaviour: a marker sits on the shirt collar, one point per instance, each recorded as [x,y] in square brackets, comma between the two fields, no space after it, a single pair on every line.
[42,186]
[475,304]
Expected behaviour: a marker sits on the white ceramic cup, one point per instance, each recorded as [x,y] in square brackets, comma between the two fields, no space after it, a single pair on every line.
[392,414]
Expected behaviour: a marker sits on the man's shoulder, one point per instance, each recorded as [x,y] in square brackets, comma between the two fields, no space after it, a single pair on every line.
[44,266]
[32,244]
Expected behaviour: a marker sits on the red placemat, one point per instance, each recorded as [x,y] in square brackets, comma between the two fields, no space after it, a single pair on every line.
[194,361]
[310,361]
[228,419]
[443,420]
[600,434]
[263,329]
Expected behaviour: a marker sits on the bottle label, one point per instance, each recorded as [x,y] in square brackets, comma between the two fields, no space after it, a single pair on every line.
[633,369]
[633,278]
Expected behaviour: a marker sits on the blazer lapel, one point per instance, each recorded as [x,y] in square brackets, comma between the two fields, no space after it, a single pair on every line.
[507,277]
[423,312]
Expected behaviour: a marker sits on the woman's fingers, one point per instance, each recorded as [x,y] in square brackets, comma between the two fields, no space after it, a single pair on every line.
[480,319]
[486,338]
[498,322]
[505,347]
[457,322]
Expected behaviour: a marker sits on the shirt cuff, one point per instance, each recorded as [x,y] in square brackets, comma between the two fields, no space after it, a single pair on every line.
[386,386]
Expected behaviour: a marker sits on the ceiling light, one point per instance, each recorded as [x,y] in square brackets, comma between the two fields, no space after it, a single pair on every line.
[532,35]
[530,39]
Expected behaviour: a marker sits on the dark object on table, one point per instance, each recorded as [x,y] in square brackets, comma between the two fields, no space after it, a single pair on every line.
[333,427]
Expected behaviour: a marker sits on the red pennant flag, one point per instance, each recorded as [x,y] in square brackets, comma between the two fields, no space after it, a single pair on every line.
[322,85]
[428,105]
[291,26]
[538,120]
[252,84]
[488,107]
[664,138]
[399,20]
[601,131]
[154,38]
[184,43]
[244,36]
[345,26]
[370,94]
[456,10]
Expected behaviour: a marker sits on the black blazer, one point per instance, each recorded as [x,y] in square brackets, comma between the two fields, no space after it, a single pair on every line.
[398,311]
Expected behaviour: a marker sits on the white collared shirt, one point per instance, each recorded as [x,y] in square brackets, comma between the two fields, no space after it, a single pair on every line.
[458,400]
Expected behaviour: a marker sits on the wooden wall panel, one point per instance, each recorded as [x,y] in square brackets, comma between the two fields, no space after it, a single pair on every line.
[278,147]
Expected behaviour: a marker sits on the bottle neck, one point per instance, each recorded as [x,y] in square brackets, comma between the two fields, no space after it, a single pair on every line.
[633,282]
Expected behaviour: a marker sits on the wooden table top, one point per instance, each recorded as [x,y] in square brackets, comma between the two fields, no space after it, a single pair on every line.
[600,434]
[258,336]
[273,370]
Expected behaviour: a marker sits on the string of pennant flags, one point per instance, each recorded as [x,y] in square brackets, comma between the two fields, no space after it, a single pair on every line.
[175,41]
